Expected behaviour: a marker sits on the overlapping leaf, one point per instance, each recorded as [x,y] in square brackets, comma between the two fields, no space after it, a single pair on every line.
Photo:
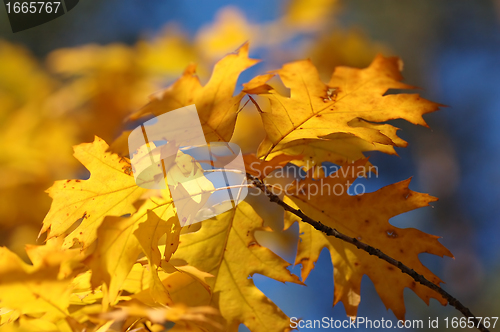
[29,289]
[352,104]
[110,191]
[332,200]
[226,248]
[216,105]
[98,227]
[148,234]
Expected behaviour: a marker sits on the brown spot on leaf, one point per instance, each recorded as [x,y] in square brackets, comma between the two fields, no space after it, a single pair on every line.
[127,169]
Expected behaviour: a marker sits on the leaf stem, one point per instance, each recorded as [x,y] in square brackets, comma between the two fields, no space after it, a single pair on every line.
[370,250]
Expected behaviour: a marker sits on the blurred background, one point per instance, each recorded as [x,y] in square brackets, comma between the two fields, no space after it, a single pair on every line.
[80,75]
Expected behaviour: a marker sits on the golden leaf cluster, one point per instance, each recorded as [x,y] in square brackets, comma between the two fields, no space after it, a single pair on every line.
[115,257]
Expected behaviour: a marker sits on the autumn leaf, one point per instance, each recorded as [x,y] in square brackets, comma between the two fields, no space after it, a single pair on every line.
[183,283]
[365,217]
[116,252]
[216,105]
[51,254]
[83,293]
[118,246]
[226,248]
[148,234]
[110,191]
[352,103]
[32,289]
[116,257]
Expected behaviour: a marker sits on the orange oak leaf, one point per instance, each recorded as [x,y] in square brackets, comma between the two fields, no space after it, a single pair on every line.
[332,200]
[353,104]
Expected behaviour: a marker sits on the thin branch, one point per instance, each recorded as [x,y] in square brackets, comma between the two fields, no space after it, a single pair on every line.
[370,250]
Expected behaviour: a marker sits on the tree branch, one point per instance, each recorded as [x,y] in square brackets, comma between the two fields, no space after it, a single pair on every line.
[370,250]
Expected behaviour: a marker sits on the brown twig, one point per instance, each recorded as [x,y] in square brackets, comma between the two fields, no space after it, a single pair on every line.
[370,250]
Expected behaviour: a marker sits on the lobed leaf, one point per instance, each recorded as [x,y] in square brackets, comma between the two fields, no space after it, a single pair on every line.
[352,104]
[365,217]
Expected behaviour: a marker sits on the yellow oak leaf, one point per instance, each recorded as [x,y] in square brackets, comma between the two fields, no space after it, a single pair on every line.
[116,252]
[332,200]
[183,282]
[148,234]
[118,247]
[216,105]
[110,191]
[352,103]
[338,149]
[51,254]
[32,289]
[82,293]
[226,248]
